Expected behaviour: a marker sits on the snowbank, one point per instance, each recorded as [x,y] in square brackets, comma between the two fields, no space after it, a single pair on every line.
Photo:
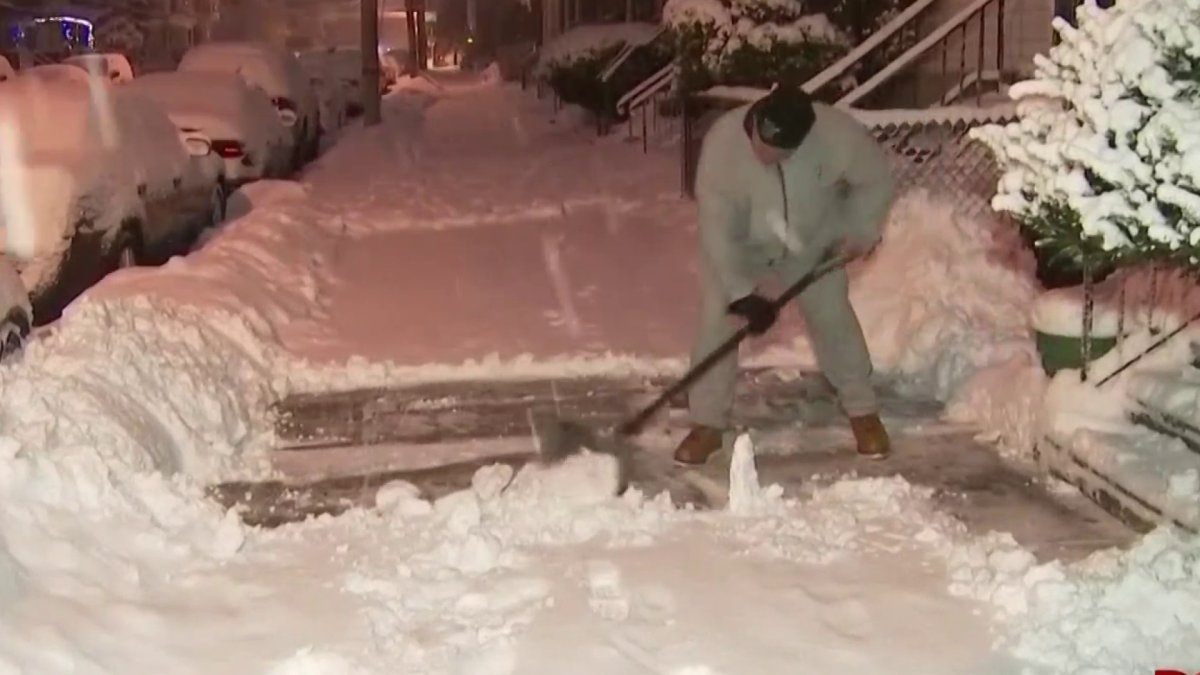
[111,425]
[1114,612]
[945,296]
[944,304]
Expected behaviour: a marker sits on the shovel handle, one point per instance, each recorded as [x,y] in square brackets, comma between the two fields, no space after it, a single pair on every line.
[634,424]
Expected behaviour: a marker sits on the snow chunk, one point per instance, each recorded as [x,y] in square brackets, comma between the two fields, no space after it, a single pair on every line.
[1115,611]
[746,496]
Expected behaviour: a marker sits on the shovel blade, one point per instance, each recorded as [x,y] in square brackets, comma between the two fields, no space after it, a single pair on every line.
[558,439]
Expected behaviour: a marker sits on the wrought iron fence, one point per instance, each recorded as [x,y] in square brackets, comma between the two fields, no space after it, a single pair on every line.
[932,149]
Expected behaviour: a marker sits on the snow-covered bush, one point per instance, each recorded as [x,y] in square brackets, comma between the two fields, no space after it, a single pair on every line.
[752,42]
[572,62]
[1104,160]
[589,43]
[117,32]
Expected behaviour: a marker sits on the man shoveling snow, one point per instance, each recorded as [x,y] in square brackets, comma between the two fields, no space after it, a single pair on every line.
[781,183]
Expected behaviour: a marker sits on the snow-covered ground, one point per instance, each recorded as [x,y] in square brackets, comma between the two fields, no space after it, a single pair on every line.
[479,224]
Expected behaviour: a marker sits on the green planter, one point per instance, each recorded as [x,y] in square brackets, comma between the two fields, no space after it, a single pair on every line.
[1061,352]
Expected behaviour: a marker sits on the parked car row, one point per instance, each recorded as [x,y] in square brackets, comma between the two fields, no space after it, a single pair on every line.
[103,168]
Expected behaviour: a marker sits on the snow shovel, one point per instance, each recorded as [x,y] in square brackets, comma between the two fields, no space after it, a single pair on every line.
[557,439]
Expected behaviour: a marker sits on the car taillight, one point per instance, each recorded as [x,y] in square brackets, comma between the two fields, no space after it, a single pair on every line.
[228,149]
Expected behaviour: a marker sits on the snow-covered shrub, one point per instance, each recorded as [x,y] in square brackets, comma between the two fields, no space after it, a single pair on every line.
[573,61]
[117,32]
[1104,160]
[752,42]
[590,42]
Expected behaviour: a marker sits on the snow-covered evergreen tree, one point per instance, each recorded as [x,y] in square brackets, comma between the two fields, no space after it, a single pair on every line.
[1104,160]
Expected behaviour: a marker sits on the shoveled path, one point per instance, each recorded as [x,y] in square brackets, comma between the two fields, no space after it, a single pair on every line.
[800,437]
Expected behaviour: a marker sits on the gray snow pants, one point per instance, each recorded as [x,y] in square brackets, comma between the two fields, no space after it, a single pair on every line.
[833,328]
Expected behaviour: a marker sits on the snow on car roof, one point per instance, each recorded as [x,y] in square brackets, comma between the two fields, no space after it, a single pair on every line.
[56,72]
[223,105]
[200,92]
[258,64]
[51,115]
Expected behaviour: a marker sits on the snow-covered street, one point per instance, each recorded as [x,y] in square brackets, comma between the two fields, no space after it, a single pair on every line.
[477,237]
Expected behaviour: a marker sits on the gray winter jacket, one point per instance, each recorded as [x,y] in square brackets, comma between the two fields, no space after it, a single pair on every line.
[837,185]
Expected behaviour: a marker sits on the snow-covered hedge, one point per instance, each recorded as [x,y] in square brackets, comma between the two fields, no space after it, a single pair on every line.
[590,42]
[573,62]
[1104,160]
[752,42]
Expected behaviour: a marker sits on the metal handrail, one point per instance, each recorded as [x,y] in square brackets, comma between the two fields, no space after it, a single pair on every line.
[655,84]
[839,68]
[937,38]
[975,77]
[626,51]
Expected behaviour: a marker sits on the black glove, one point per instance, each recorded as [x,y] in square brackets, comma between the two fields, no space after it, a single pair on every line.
[758,312]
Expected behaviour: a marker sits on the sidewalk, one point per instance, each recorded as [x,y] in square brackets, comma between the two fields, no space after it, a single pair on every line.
[487,226]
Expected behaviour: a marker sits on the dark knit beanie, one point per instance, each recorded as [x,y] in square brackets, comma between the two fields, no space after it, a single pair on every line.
[783,117]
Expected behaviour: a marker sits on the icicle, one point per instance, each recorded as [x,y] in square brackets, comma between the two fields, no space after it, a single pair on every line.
[1088,307]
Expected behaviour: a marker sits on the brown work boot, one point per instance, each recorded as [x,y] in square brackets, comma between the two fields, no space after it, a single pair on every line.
[871,437]
[700,444]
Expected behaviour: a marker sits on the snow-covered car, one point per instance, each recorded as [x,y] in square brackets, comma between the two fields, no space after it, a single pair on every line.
[56,72]
[6,69]
[238,120]
[15,312]
[112,66]
[278,73]
[92,178]
[342,67]
[331,96]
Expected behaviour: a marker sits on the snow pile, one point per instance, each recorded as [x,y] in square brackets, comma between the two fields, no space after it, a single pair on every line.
[944,304]
[589,41]
[264,267]
[520,567]
[469,585]
[944,296]
[110,424]
[145,386]
[1114,612]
